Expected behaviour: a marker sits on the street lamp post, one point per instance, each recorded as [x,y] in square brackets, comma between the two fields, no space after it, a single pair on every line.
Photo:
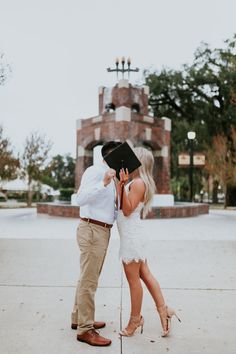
[191,136]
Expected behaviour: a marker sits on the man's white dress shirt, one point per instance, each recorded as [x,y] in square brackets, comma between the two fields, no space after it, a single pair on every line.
[95,200]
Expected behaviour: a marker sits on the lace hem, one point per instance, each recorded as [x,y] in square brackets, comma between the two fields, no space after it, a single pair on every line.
[136,260]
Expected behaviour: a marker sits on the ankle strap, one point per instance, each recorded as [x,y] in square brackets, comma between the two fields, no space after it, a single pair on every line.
[161,307]
[135,317]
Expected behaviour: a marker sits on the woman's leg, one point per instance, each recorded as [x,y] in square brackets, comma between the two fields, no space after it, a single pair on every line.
[132,271]
[156,293]
[154,288]
[151,284]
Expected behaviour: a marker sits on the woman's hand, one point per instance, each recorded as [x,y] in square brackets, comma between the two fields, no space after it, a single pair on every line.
[124,176]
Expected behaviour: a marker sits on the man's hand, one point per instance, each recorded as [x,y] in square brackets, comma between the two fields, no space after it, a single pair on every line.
[109,175]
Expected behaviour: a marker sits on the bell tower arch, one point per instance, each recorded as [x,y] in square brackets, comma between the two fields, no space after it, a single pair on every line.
[123,115]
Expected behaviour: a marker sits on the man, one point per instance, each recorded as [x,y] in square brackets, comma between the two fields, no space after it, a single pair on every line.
[96,198]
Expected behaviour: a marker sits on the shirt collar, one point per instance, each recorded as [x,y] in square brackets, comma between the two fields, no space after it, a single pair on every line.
[104,166]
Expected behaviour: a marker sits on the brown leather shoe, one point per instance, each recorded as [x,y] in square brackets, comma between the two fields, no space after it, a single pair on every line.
[96,325]
[92,337]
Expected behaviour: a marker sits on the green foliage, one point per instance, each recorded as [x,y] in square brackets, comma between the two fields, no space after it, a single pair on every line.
[232,196]
[199,97]
[23,196]
[202,93]
[34,159]
[8,163]
[3,197]
[65,194]
[60,172]
[34,156]
[19,196]
[180,188]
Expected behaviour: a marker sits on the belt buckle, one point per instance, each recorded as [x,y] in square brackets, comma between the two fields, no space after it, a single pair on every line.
[105,225]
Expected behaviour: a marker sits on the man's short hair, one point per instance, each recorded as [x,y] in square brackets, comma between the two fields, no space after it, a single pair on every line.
[109,146]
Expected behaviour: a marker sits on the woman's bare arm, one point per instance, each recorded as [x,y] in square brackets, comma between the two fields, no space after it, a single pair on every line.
[133,197]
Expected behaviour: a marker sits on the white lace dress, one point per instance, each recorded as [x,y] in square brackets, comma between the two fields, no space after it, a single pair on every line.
[132,238]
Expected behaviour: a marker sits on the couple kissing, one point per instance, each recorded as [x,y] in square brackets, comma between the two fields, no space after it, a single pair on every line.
[103,198]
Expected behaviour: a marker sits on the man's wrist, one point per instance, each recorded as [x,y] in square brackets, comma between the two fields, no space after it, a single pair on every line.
[103,184]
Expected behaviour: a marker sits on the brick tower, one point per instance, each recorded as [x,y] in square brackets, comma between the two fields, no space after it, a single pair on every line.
[123,115]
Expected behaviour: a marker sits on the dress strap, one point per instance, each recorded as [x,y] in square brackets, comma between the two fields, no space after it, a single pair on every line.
[128,185]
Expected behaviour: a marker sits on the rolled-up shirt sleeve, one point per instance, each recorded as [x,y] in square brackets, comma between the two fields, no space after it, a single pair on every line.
[90,188]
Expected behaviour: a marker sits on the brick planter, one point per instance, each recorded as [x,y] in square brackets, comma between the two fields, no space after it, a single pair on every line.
[64,210]
[177,211]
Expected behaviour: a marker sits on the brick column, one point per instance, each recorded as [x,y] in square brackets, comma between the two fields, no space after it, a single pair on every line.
[84,160]
[162,160]
[81,164]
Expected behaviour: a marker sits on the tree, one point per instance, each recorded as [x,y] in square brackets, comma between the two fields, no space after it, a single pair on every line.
[8,162]
[198,97]
[33,160]
[60,172]
[202,93]
[5,69]
[214,81]
[221,161]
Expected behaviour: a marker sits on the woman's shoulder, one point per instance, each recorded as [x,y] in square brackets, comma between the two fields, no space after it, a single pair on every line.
[137,184]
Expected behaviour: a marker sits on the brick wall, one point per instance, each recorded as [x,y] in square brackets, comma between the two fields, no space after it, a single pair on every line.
[156,213]
[130,120]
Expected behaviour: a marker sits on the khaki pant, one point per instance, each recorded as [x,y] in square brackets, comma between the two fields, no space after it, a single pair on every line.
[93,242]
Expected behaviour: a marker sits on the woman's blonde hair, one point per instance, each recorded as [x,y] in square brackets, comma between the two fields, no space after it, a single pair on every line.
[146,173]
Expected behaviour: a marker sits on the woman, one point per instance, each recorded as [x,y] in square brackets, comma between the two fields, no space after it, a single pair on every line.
[136,197]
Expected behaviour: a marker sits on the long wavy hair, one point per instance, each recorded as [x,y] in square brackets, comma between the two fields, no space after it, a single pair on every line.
[146,174]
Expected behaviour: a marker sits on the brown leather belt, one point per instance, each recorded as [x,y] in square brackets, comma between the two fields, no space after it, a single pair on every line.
[96,222]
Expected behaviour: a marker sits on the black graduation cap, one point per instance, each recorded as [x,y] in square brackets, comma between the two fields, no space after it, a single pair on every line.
[122,157]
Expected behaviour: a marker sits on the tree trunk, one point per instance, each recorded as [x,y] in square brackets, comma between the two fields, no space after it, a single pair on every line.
[30,195]
[232,196]
[215,192]
[226,203]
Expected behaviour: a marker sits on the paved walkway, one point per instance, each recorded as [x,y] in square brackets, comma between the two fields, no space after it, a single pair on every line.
[194,259]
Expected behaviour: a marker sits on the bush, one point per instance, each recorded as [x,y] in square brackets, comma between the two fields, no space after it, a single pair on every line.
[22,196]
[232,196]
[2,198]
[19,196]
[65,194]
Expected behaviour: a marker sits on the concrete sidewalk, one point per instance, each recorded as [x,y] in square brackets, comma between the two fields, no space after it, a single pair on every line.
[194,260]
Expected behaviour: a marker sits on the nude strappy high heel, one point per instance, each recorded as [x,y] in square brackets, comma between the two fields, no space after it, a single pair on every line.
[166,314]
[134,323]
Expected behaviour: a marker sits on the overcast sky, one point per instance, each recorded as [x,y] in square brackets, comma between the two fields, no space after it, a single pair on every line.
[59,51]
